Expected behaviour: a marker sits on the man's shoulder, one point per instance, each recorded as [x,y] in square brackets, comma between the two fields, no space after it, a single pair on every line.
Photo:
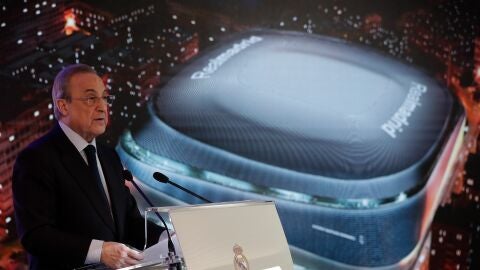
[44,144]
[107,151]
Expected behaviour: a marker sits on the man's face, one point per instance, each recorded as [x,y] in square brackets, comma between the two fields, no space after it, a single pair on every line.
[89,121]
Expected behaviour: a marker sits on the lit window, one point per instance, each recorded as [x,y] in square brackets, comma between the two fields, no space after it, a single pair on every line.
[70,24]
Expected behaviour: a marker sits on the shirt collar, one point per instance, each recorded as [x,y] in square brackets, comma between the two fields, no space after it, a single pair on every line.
[77,140]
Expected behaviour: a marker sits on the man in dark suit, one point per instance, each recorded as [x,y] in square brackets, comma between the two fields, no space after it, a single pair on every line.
[72,207]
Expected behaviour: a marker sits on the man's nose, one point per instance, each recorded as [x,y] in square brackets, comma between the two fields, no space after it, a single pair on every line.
[102,105]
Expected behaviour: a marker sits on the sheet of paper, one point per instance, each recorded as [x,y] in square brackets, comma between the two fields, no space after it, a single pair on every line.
[160,250]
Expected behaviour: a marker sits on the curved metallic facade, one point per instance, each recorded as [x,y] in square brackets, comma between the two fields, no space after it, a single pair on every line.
[345,140]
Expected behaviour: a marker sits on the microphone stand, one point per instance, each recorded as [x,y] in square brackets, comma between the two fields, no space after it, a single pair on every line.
[188,191]
[171,247]
[160,177]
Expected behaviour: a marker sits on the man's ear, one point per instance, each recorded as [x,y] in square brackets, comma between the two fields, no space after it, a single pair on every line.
[62,106]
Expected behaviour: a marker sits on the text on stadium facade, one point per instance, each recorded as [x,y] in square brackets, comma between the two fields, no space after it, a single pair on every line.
[214,64]
[400,119]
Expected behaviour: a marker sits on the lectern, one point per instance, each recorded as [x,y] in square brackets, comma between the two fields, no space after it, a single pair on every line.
[243,235]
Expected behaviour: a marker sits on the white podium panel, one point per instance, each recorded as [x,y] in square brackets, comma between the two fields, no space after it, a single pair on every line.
[237,235]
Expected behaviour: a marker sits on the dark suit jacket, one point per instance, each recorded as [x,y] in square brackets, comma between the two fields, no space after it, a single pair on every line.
[58,206]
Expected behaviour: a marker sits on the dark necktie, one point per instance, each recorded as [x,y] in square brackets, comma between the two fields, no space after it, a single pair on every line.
[92,164]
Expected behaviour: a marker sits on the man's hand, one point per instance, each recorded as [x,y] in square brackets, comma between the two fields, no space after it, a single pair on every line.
[117,255]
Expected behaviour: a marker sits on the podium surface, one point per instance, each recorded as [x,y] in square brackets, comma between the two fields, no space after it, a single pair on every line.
[237,235]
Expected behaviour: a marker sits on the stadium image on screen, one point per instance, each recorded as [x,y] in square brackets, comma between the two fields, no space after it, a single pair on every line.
[353,146]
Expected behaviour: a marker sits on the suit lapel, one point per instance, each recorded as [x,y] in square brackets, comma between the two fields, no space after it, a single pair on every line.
[116,187]
[75,164]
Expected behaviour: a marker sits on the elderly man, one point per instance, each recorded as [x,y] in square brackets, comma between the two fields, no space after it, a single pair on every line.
[72,207]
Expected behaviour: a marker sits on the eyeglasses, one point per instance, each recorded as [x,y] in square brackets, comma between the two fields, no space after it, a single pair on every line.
[93,100]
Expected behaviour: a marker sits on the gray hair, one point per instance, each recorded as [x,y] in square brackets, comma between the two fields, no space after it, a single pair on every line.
[60,85]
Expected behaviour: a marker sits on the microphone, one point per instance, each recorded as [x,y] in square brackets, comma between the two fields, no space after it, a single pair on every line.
[160,177]
[127,175]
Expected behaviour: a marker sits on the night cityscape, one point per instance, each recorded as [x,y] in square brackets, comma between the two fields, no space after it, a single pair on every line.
[138,46]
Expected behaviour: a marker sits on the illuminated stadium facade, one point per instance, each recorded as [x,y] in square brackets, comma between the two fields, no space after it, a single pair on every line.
[354,147]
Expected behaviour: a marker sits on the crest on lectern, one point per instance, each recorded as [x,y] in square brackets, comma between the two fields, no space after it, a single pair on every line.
[239,260]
